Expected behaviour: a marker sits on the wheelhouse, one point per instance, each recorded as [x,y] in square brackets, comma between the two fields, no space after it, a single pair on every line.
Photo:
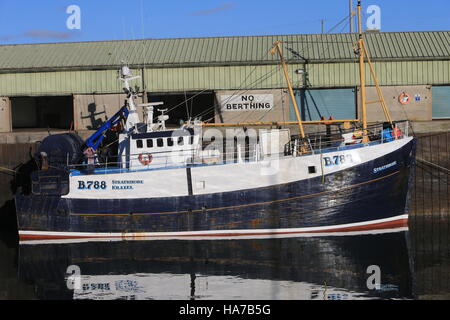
[159,148]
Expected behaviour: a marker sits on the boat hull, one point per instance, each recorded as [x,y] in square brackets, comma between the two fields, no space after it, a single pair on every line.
[353,199]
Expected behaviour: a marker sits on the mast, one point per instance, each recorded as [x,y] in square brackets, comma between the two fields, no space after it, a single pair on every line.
[133,118]
[277,47]
[362,75]
[363,54]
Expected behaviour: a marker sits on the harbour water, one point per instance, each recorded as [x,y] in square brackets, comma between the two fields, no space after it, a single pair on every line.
[412,264]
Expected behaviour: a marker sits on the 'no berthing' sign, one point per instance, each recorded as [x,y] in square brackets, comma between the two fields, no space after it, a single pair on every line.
[249,102]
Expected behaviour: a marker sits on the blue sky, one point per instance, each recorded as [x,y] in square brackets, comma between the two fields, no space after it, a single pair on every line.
[45,20]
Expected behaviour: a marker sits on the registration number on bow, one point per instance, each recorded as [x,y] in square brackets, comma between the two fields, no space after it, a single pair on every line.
[338,160]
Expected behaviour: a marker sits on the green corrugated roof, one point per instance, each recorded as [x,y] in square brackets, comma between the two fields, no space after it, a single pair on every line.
[427,45]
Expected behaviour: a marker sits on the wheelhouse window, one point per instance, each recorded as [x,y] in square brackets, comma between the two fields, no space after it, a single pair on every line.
[139,144]
[160,142]
[169,142]
[149,143]
[180,141]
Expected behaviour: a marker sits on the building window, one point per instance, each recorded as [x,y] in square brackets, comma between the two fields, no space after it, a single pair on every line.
[139,144]
[149,143]
[160,142]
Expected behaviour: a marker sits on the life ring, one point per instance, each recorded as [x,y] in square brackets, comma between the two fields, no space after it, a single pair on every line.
[145,158]
[396,133]
[404,98]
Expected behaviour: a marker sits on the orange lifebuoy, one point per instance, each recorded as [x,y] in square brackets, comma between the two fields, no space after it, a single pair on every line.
[404,98]
[145,158]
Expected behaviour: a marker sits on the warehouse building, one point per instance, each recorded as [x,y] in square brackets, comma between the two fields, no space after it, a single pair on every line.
[223,79]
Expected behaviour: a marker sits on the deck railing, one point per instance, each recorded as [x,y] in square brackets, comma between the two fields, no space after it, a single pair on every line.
[315,143]
[334,138]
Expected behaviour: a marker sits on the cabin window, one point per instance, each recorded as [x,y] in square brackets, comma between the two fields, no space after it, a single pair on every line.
[170,142]
[149,143]
[160,142]
[180,141]
[139,144]
[311,169]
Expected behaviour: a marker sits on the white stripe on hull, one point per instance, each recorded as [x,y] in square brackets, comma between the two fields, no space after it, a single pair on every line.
[211,179]
[226,233]
[250,237]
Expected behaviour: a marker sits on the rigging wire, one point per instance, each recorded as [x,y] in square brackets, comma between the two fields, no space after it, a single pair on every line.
[203,91]
[343,20]
[319,92]
[254,83]
[206,111]
[138,126]
[238,90]
[396,88]
[297,54]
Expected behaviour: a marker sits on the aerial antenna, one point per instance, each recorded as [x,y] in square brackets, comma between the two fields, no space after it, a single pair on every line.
[126,76]
[351,15]
[144,86]
[142,19]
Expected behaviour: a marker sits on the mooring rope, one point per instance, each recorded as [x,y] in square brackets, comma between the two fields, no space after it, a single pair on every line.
[432,164]
[9,170]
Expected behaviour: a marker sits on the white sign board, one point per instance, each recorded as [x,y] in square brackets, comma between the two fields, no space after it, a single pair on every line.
[246,102]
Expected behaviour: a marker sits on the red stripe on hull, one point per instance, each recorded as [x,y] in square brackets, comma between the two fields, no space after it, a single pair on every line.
[367,227]
[383,225]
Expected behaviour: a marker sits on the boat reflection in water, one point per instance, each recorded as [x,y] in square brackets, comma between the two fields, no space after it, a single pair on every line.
[302,267]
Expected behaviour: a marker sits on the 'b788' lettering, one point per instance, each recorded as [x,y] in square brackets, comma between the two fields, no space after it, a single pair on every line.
[337,160]
[89,185]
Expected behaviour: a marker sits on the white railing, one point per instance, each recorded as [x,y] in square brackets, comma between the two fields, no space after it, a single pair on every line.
[315,144]
[173,159]
[335,140]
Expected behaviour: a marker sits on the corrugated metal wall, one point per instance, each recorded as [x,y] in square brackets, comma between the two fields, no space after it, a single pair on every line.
[60,83]
[216,78]
[220,51]
[389,73]
[324,75]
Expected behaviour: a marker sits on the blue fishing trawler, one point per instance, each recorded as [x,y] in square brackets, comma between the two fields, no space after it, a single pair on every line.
[166,182]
